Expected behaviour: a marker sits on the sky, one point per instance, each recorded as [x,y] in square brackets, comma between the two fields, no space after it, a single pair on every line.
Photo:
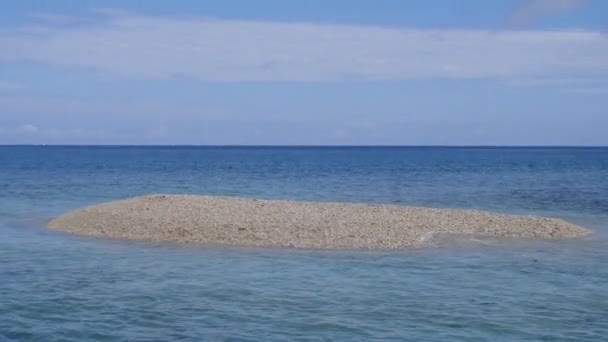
[308,72]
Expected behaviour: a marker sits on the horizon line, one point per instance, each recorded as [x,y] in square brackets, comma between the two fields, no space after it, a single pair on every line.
[302,145]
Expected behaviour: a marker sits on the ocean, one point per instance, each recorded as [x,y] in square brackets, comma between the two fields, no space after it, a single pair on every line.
[59,287]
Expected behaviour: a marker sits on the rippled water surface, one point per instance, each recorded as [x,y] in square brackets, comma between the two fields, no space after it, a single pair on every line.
[57,287]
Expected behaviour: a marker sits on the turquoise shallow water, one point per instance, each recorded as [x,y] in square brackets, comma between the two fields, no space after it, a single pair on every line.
[57,287]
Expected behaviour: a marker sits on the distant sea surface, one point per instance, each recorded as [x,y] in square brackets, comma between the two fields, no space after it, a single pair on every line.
[58,287]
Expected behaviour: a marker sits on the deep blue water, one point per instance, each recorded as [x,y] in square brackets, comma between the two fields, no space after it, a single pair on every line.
[57,287]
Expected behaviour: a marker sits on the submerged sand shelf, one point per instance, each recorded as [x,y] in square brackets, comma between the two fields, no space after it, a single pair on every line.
[270,223]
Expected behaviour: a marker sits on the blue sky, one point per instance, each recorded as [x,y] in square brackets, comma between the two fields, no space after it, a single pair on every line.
[386,72]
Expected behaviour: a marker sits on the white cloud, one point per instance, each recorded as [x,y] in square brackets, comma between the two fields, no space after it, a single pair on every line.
[28,128]
[55,18]
[560,82]
[112,12]
[6,85]
[231,50]
[531,10]
[585,85]
[340,133]
[107,121]
[29,133]
[592,90]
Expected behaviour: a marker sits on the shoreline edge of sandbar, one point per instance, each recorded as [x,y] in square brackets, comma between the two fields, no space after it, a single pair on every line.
[233,221]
